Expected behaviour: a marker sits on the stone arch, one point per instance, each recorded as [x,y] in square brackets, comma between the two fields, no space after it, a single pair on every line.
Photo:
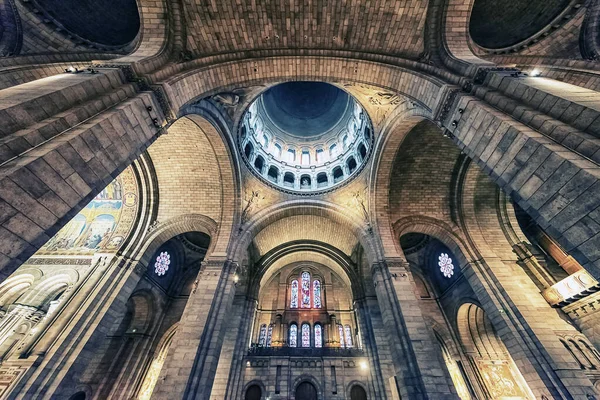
[143,307]
[354,383]
[51,286]
[310,379]
[15,286]
[258,383]
[164,231]
[328,211]
[187,87]
[151,376]
[397,167]
[590,32]
[214,184]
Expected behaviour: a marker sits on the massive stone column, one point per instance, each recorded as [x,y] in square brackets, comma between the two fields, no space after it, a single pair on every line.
[190,368]
[420,373]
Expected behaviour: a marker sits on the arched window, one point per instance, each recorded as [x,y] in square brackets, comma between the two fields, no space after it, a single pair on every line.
[248,150]
[277,150]
[262,337]
[288,179]
[305,157]
[341,333]
[320,156]
[351,163]
[348,336]
[293,335]
[253,393]
[338,174]
[265,140]
[291,155]
[318,335]
[294,294]
[333,151]
[317,294]
[322,180]
[269,335]
[273,174]
[345,142]
[362,150]
[305,290]
[305,335]
[259,164]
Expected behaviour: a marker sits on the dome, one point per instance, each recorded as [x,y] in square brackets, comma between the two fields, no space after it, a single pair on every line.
[305,109]
[305,137]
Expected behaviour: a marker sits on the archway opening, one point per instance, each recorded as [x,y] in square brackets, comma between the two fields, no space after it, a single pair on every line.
[358,393]
[306,391]
[253,392]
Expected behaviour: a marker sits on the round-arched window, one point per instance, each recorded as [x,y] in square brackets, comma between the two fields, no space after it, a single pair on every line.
[446,265]
[161,265]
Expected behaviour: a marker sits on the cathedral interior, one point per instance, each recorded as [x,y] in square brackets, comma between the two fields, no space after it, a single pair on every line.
[305,200]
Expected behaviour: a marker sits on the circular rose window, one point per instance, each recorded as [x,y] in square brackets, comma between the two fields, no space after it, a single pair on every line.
[161,265]
[446,266]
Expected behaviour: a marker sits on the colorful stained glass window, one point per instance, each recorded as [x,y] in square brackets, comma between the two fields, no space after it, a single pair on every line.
[294,294]
[341,331]
[161,265]
[317,294]
[305,290]
[318,335]
[269,335]
[305,335]
[262,337]
[445,264]
[348,336]
[293,335]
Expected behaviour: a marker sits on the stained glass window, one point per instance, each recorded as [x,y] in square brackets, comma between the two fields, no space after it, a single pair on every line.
[318,336]
[317,294]
[161,265]
[293,335]
[341,331]
[445,264]
[305,335]
[294,294]
[269,335]
[348,337]
[262,337]
[305,290]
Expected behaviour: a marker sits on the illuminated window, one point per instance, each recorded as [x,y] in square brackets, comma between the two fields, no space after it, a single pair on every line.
[291,155]
[446,266]
[262,337]
[305,290]
[293,335]
[341,332]
[305,335]
[318,335]
[305,157]
[333,152]
[316,294]
[348,338]
[294,294]
[161,265]
[277,150]
[269,335]
[320,156]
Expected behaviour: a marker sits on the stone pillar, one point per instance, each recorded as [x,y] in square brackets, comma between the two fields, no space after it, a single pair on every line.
[418,364]
[190,367]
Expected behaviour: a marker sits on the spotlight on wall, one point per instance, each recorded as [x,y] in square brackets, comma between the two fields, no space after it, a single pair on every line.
[247,363]
[363,365]
[454,123]
[536,72]
[236,279]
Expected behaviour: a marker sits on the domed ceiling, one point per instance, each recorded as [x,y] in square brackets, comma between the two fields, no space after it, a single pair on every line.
[107,22]
[496,24]
[305,137]
[305,109]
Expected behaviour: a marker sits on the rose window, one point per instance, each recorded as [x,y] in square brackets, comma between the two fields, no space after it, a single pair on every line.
[161,265]
[446,266]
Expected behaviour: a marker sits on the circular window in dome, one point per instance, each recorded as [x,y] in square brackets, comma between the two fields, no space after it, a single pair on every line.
[305,137]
